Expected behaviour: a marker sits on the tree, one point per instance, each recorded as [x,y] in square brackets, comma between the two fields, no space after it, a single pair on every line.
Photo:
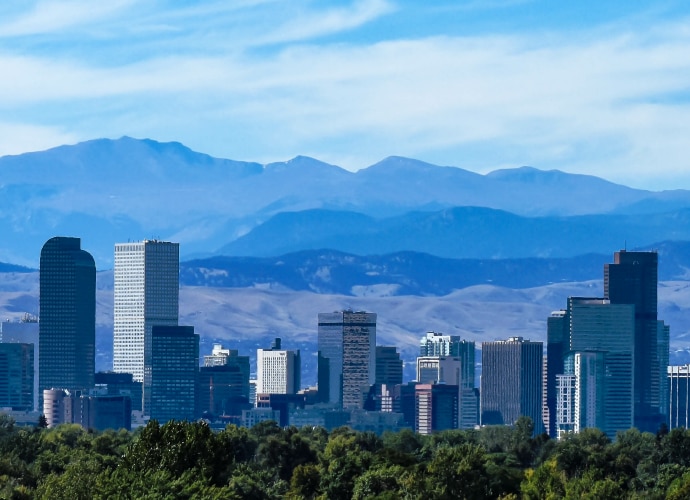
[459,472]
[42,422]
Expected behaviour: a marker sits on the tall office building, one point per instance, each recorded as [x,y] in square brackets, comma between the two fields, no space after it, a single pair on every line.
[347,357]
[590,391]
[633,279]
[511,382]
[439,344]
[679,396]
[557,339]
[170,373]
[24,331]
[278,371]
[590,369]
[17,376]
[146,293]
[436,408]
[221,356]
[67,327]
[222,390]
[389,366]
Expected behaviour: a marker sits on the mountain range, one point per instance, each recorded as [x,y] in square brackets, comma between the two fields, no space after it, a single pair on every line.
[109,191]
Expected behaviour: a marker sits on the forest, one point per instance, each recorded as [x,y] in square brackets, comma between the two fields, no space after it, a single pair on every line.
[190,460]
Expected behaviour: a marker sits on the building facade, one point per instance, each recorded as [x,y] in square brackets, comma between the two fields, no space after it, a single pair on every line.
[278,371]
[346,357]
[439,344]
[389,366]
[436,408]
[511,382]
[17,376]
[24,331]
[67,326]
[170,373]
[597,326]
[679,396]
[632,278]
[146,293]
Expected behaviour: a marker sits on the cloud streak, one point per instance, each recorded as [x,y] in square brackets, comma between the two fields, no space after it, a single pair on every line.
[611,101]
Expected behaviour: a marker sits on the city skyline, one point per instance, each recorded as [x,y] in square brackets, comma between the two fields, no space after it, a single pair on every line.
[609,356]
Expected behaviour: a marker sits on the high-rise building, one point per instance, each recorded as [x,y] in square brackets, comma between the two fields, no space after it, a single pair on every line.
[146,293]
[221,356]
[590,390]
[67,327]
[679,396]
[347,357]
[170,373]
[557,347]
[278,371]
[511,382]
[222,390]
[24,331]
[436,407]
[439,344]
[17,376]
[120,384]
[597,326]
[389,366]
[633,279]
[439,370]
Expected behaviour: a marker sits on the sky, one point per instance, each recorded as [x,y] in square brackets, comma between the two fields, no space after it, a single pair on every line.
[591,87]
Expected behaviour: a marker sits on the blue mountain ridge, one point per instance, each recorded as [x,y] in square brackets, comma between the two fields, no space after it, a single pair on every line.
[107,191]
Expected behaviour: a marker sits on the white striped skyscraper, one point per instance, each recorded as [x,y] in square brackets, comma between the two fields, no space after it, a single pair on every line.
[146,293]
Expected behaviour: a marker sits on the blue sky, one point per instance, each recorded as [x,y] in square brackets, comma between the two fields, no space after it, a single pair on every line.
[598,88]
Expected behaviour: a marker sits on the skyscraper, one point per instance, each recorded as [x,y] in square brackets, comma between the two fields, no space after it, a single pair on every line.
[347,356]
[558,336]
[277,370]
[24,332]
[436,408]
[679,396]
[170,373]
[633,279]
[511,383]
[599,326]
[67,327]
[439,344]
[17,376]
[389,366]
[146,293]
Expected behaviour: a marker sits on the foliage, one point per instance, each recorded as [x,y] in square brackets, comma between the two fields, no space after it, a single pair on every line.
[190,460]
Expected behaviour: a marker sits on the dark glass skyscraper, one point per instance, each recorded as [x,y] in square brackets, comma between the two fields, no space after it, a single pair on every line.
[511,382]
[67,326]
[347,356]
[171,368]
[633,279]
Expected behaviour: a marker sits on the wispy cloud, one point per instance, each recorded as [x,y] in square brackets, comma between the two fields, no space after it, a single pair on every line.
[52,16]
[256,80]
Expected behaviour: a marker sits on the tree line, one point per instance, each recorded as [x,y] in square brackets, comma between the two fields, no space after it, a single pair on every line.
[190,460]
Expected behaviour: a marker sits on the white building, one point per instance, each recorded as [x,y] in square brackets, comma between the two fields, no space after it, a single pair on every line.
[146,293]
[277,370]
